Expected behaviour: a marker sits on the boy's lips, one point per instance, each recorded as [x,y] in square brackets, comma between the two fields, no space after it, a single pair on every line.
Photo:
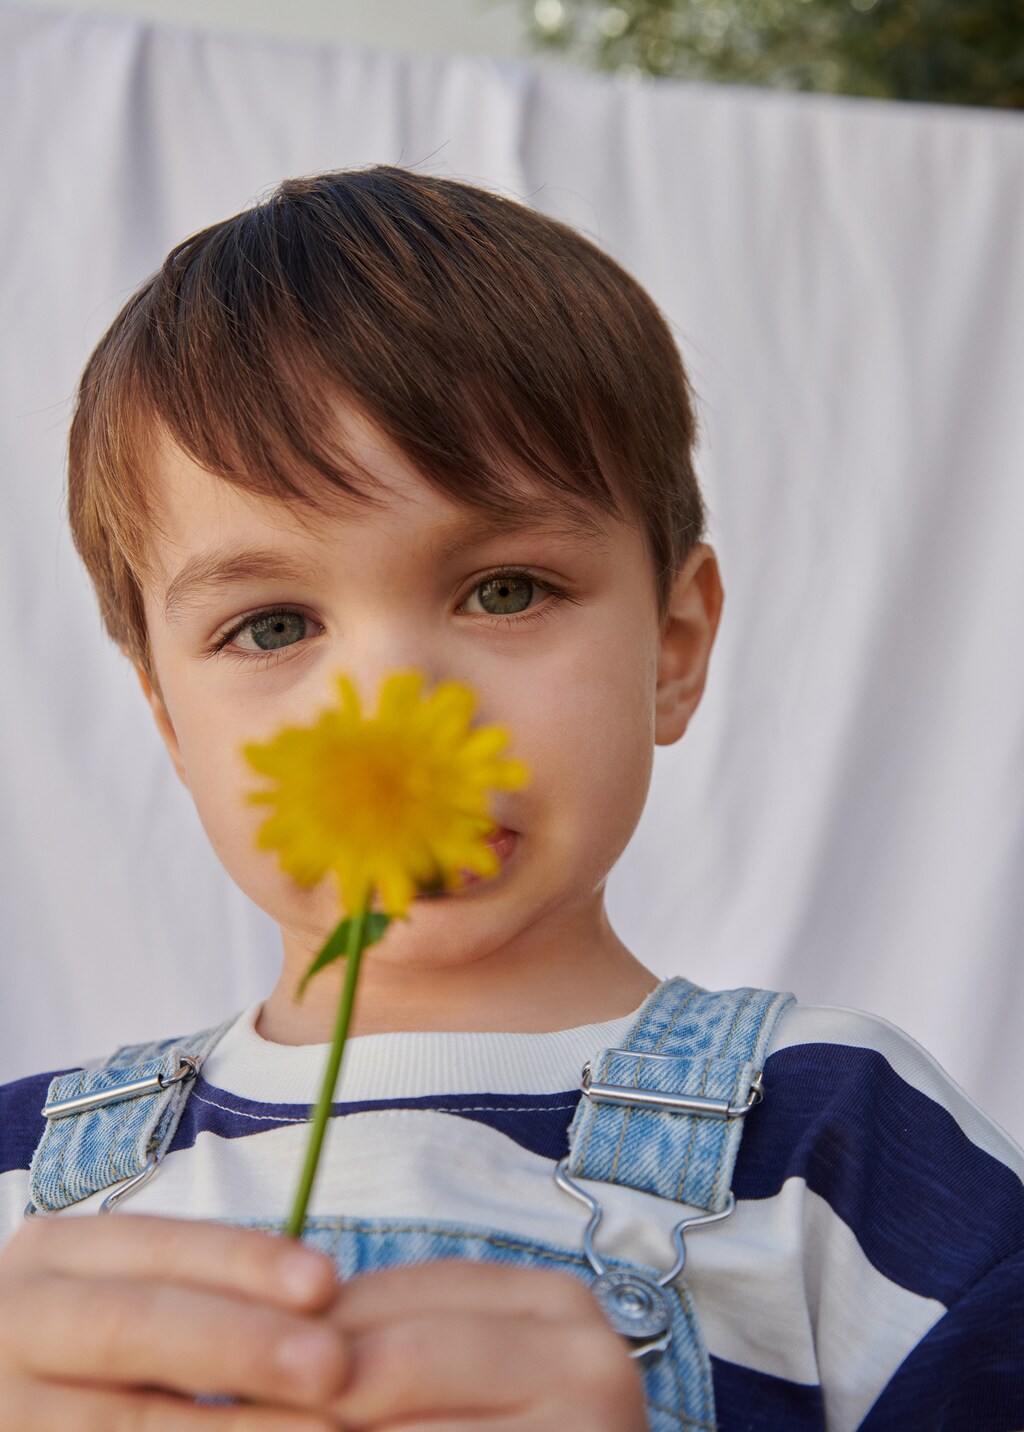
[503,842]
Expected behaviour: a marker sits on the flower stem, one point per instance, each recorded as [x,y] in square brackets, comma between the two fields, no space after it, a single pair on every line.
[323,1109]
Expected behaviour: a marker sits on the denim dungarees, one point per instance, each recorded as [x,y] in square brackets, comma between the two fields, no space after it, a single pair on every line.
[662,1113]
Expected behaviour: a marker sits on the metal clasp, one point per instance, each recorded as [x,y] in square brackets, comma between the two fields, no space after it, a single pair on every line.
[188,1068]
[61,1108]
[635,1307]
[115,1196]
[130,1185]
[668,1103]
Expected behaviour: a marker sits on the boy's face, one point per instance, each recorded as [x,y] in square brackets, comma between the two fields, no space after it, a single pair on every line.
[586,688]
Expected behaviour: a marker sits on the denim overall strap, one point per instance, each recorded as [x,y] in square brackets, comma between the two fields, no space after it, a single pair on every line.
[705,1047]
[113,1123]
[664,1114]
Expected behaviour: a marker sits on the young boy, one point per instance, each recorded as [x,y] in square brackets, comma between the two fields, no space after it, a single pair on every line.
[384,421]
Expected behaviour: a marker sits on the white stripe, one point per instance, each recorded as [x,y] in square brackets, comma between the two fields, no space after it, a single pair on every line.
[823,1024]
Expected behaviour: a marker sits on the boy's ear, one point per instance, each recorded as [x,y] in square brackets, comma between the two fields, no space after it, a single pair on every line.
[163,723]
[687,636]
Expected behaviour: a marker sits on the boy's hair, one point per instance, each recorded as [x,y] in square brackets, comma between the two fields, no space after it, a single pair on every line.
[480,337]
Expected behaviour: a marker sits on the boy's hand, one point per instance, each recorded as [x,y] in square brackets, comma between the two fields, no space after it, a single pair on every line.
[450,1346]
[115,1325]
[104,1320]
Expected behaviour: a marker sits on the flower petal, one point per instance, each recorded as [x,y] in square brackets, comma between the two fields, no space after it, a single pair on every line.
[396,802]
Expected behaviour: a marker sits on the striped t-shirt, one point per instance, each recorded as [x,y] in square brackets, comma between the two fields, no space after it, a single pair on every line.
[871,1276]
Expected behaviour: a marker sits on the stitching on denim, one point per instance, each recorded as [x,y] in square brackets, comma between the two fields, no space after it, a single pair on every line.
[128,1108]
[62,1187]
[694,992]
[618,1146]
[703,1363]
[674,1363]
[692,1424]
[625,1123]
[728,1135]
[688,1424]
[703,1360]
[590,1120]
[752,1044]
[363,1225]
[653,1006]
[693,1137]
[116,1174]
[591,1111]
[679,1418]
[724,1050]
[723,1047]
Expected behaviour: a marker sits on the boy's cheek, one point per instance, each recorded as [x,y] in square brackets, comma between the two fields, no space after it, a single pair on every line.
[585,736]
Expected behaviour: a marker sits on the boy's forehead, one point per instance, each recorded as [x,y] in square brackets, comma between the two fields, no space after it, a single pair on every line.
[185,497]
[208,526]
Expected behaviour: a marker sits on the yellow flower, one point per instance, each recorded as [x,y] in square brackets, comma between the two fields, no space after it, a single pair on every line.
[395,802]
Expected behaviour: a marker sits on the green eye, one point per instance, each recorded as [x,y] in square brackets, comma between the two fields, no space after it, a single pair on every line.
[510,593]
[271,632]
[277,629]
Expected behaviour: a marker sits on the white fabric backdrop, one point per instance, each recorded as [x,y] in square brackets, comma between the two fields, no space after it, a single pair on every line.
[846,280]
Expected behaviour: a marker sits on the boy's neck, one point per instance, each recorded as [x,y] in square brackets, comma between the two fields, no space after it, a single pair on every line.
[526,996]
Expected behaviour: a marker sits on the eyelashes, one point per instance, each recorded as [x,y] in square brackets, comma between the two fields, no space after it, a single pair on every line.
[546,609]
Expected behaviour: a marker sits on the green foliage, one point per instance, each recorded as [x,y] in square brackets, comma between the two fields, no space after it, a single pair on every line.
[957,51]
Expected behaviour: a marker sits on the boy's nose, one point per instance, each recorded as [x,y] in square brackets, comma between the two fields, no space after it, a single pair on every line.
[368,680]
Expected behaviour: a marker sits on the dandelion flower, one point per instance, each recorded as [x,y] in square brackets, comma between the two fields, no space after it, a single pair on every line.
[396,802]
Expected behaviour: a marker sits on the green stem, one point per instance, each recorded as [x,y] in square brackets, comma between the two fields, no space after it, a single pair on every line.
[323,1109]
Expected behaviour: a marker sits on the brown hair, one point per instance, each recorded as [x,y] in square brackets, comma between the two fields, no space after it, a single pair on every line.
[478,335]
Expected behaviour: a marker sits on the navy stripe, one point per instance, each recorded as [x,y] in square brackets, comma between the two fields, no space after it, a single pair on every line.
[538,1122]
[749,1401]
[931,1210]
[21,1119]
[967,1374]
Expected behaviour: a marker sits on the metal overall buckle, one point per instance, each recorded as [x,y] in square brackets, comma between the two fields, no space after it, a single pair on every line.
[188,1068]
[636,1306]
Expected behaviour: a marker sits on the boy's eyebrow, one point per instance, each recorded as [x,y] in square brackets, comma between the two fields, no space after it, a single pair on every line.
[224,567]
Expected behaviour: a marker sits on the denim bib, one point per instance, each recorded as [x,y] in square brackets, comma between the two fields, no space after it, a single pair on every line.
[663,1113]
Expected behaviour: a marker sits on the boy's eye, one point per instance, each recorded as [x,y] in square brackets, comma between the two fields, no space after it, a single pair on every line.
[276,629]
[505,594]
[266,634]
[502,595]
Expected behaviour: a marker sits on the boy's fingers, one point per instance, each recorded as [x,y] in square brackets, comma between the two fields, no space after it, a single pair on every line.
[179,1250]
[42,1408]
[482,1366]
[453,1285]
[172,1337]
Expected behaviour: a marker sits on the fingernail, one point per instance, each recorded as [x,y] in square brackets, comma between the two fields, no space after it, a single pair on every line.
[302,1274]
